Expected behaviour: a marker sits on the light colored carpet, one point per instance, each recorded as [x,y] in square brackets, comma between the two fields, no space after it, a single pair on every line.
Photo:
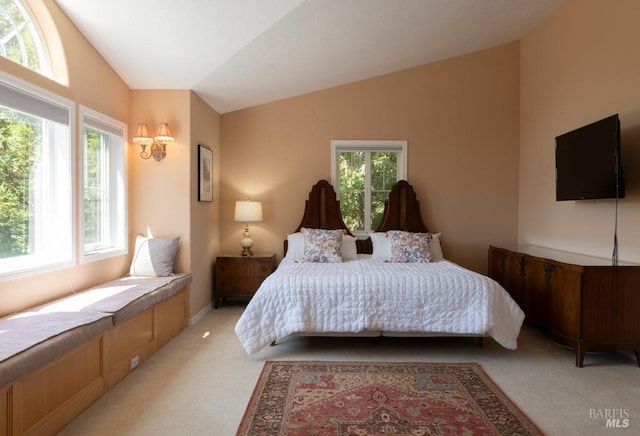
[201,381]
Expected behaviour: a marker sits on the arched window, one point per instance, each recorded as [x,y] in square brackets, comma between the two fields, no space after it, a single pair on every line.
[20,38]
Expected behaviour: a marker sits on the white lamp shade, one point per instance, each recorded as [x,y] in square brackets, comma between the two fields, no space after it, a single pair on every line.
[164,134]
[142,135]
[248,211]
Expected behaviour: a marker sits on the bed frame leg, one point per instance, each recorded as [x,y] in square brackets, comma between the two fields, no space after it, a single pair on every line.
[480,342]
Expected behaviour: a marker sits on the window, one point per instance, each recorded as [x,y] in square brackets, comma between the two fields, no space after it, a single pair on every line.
[20,39]
[363,173]
[104,221]
[36,179]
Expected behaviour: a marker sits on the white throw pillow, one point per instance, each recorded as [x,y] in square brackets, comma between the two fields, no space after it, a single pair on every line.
[295,246]
[154,257]
[381,246]
[434,247]
[349,248]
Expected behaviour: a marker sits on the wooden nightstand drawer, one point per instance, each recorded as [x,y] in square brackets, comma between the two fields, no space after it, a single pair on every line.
[238,286]
[240,277]
[229,267]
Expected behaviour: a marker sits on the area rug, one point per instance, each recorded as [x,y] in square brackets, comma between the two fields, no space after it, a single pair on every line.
[368,398]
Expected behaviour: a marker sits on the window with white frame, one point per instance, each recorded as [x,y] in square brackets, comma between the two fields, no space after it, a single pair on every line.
[104,220]
[20,39]
[36,179]
[363,173]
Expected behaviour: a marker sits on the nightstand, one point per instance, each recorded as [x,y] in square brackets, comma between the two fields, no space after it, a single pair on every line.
[240,276]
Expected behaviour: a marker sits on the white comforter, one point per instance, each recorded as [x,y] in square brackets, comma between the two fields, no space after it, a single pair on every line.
[371,295]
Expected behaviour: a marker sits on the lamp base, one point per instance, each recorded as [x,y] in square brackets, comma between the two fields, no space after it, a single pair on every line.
[246,242]
[158,151]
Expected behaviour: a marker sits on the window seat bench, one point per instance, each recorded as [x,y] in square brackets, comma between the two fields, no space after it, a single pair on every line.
[56,359]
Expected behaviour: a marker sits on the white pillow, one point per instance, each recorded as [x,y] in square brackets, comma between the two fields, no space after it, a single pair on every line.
[154,257]
[381,246]
[295,247]
[434,247]
[349,249]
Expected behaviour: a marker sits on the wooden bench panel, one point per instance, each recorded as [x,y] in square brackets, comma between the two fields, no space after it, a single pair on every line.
[171,316]
[5,412]
[125,341]
[47,399]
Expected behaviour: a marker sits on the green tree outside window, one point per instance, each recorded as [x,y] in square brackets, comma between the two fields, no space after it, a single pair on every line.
[19,138]
[364,174]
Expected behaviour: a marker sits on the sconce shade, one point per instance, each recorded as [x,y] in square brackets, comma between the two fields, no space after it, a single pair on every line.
[142,135]
[164,134]
[158,149]
[248,211]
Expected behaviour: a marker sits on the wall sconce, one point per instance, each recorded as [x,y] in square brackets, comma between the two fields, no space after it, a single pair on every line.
[248,212]
[158,143]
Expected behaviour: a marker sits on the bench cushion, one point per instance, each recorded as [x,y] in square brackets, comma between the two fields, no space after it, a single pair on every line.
[125,297]
[31,339]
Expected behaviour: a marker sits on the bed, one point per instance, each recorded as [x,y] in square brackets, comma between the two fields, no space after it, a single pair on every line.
[394,283]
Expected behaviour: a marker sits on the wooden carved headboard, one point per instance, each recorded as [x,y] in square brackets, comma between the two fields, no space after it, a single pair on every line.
[401,212]
[322,209]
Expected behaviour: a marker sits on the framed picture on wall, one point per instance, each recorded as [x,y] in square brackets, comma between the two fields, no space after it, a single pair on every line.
[205,174]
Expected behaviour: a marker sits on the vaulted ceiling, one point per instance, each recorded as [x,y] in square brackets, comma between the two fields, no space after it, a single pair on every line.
[240,53]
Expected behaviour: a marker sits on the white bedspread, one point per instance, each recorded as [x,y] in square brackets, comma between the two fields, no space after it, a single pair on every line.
[368,294]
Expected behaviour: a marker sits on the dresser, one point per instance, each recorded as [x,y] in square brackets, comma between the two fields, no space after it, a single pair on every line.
[583,302]
[239,276]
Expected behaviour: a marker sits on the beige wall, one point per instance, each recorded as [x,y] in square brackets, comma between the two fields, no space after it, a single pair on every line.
[578,66]
[159,203]
[460,117]
[93,83]
[162,199]
[480,129]
[205,216]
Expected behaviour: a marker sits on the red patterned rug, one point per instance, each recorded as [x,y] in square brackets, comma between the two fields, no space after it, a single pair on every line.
[363,398]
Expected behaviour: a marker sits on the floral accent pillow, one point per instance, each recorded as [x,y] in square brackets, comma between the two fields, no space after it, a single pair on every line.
[409,247]
[322,246]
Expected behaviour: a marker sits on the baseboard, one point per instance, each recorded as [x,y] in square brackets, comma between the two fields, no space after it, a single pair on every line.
[200,314]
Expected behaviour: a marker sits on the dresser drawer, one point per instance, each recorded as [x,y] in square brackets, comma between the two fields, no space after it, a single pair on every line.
[244,268]
[240,277]
[238,285]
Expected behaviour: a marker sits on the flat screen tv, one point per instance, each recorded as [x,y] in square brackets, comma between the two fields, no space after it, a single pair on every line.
[588,162]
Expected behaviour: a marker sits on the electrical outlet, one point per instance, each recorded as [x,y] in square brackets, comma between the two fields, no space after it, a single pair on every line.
[134,361]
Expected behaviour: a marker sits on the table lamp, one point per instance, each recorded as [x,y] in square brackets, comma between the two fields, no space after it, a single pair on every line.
[248,212]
